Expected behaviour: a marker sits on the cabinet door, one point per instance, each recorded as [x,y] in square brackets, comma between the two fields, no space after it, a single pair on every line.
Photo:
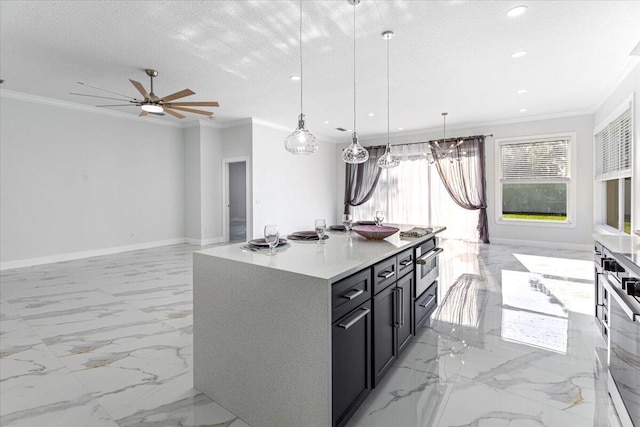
[405,305]
[384,332]
[351,363]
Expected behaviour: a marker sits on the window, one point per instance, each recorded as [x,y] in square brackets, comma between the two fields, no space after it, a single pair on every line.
[613,169]
[534,184]
[413,193]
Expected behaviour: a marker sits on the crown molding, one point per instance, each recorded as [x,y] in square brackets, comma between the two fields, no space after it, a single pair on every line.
[20,96]
[628,67]
[423,133]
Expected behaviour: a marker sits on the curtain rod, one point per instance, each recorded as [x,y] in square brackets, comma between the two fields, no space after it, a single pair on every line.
[457,138]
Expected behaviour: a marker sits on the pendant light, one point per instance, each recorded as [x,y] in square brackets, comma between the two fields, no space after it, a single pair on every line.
[301,141]
[441,151]
[354,153]
[388,160]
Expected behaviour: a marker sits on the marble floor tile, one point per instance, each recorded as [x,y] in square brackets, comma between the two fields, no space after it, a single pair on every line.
[107,341]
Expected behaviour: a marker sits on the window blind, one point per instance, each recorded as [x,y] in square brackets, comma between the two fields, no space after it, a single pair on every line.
[536,160]
[613,149]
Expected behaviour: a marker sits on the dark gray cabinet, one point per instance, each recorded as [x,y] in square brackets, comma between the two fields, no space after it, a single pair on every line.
[391,322]
[373,313]
[351,362]
[385,347]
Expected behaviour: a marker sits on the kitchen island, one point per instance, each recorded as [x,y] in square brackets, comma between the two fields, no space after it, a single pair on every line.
[263,324]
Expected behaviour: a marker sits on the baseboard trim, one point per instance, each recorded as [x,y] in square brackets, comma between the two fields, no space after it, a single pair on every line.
[542,244]
[29,262]
[204,242]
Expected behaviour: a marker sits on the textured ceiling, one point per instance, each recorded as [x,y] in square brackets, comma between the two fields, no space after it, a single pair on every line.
[447,56]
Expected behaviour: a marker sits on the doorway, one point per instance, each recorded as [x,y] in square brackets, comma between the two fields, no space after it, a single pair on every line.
[236,200]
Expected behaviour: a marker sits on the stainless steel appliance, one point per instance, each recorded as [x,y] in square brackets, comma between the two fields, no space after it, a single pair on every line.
[622,284]
[426,271]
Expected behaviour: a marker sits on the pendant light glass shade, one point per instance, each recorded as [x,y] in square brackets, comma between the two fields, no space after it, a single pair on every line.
[301,141]
[354,153]
[388,160]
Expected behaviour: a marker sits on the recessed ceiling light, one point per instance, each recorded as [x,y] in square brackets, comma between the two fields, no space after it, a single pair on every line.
[522,91]
[523,110]
[400,128]
[371,114]
[326,122]
[295,77]
[516,11]
[519,54]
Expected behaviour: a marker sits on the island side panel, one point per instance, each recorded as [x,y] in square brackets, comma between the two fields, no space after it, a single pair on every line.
[262,342]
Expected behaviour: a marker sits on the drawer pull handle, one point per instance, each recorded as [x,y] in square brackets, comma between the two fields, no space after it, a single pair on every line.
[405,262]
[351,295]
[350,323]
[428,303]
[423,259]
[386,274]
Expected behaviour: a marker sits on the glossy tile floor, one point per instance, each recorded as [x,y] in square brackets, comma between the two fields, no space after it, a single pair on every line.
[513,343]
[107,341]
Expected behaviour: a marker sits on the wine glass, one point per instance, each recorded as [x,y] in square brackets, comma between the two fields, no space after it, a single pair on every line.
[379,218]
[271,236]
[321,227]
[347,221]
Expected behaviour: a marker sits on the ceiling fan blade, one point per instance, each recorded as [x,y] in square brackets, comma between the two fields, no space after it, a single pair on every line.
[173,113]
[117,105]
[181,94]
[96,96]
[195,104]
[140,88]
[191,110]
[157,114]
[104,90]
[143,113]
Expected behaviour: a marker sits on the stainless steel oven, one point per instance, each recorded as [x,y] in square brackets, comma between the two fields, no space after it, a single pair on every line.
[426,265]
[426,282]
[623,289]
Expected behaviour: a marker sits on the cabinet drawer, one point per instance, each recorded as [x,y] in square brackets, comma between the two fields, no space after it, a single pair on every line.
[405,261]
[425,305]
[349,293]
[384,274]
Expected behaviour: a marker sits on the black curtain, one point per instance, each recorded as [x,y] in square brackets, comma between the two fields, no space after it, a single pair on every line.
[361,179]
[463,175]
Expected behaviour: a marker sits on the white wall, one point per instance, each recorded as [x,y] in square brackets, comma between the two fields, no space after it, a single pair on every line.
[211,184]
[578,236]
[291,191]
[192,188]
[628,87]
[74,181]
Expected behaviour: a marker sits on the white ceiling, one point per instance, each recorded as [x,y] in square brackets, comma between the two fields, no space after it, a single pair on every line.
[447,56]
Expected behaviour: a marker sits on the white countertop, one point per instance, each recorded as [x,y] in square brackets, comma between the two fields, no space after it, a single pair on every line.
[338,257]
[625,245]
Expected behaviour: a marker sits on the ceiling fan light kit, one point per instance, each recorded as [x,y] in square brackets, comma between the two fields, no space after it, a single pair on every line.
[152,104]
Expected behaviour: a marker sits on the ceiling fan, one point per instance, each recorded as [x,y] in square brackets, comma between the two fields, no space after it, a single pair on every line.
[152,104]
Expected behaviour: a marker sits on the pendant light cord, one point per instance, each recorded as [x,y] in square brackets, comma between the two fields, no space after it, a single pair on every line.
[300,42]
[388,108]
[354,67]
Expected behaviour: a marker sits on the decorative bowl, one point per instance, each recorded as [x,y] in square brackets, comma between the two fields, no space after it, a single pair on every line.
[375,232]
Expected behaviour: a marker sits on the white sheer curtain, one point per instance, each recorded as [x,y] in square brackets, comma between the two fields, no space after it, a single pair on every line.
[413,193]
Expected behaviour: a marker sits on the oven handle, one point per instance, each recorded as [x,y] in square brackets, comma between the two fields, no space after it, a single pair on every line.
[621,302]
[426,257]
